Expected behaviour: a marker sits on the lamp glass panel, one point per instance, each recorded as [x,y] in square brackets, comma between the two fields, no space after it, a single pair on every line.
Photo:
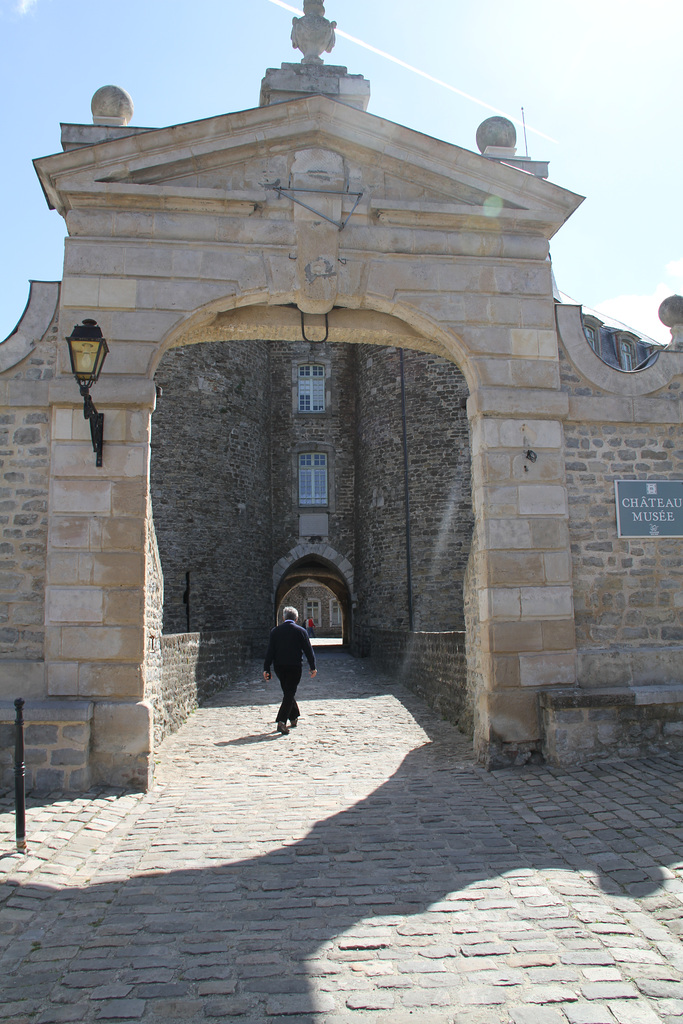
[87,357]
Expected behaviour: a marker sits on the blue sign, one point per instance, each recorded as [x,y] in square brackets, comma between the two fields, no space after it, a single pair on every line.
[649,508]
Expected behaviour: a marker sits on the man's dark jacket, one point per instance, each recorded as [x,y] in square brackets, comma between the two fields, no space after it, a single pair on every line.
[287,646]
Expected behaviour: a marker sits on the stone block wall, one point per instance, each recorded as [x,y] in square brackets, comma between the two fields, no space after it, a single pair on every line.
[432,665]
[210,485]
[380,556]
[441,512]
[24,489]
[195,666]
[628,592]
[583,726]
[154,601]
[224,479]
[56,741]
[441,515]
[293,433]
[24,436]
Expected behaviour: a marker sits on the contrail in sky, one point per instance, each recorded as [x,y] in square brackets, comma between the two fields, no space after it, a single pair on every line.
[423,74]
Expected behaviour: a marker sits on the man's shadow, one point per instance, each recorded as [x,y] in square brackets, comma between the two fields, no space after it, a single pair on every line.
[258,934]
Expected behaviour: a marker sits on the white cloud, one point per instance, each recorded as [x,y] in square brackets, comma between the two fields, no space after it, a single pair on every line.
[24,6]
[675,270]
[641,312]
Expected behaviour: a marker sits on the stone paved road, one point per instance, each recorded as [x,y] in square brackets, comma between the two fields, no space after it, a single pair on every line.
[361,868]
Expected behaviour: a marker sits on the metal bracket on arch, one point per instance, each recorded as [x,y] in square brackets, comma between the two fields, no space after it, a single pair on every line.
[276,187]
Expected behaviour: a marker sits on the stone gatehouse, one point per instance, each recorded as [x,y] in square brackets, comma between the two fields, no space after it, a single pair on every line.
[336,356]
[239,506]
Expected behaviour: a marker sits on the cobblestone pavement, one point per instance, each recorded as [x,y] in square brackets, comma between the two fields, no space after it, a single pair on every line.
[361,868]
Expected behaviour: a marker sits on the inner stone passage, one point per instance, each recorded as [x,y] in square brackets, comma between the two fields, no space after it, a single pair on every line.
[278,462]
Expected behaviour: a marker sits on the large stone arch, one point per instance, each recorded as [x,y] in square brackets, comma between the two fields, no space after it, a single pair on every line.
[276,326]
[326,566]
[308,554]
[174,238]
[277,317]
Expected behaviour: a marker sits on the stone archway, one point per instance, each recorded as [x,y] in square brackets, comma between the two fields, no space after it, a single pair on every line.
[326,571]
[175,239]
[224,447]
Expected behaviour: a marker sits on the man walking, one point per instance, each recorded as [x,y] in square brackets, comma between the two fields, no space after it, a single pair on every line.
[286,649]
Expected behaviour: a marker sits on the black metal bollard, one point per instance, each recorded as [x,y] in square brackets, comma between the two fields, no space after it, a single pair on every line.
[19,777]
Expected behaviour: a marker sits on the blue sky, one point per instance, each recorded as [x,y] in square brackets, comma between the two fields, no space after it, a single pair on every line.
[601,77]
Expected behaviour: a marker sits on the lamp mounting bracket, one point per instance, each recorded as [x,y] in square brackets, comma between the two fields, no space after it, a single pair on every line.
[96,423]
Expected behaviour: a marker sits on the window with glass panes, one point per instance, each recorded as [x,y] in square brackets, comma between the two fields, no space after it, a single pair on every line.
[626,354]
[313,478]
[313,612]
[335,613]
[311,388]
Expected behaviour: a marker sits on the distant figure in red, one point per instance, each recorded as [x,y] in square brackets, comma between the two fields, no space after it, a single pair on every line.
[310,627]
[286,649]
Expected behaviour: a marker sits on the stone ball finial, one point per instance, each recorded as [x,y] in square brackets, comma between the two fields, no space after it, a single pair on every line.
[496,131]
[111,105]
[313,34]
[671,311]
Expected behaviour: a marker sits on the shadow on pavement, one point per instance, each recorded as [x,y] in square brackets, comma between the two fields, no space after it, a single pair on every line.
[268,934]
[394,885]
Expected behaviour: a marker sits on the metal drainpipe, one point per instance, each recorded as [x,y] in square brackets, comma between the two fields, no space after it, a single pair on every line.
[406,491]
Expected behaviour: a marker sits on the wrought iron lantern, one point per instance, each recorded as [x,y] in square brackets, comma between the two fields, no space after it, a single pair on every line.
[87,351]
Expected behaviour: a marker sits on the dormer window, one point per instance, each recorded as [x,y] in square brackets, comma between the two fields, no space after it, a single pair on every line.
[627,352]
[616,346]
[311,388]
[591,329]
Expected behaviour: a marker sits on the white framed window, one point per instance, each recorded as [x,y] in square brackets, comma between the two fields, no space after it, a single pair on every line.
[591,330]
[627,354]
[335,612]
[313,612]
[313,478]
[311,388]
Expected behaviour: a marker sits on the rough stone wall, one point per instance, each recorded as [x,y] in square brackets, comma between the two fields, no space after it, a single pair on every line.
[440,489]
[439,483]
[380,562]
[331,432]
[154,604]
[606,724]
[24,491]
[195,666]
[210,484]
[432,665]
[226,437]
[628,592]
[23,513]
[56,745]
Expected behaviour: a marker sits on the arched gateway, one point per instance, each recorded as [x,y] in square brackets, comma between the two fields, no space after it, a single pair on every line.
[304,215]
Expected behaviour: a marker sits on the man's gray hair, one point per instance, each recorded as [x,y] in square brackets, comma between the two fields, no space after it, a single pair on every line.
[290,613]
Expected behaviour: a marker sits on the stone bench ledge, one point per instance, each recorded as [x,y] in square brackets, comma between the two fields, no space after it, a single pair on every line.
[49,711]
[617,696]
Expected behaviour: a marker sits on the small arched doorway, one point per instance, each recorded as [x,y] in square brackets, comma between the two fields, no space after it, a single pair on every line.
[313,569]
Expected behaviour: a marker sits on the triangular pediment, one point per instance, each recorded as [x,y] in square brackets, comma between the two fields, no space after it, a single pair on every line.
[239,159]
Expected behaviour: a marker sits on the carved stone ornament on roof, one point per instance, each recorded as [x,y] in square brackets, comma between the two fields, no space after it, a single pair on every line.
[313,34]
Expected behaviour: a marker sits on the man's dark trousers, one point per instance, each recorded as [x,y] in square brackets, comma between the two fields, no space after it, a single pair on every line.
[287,646]
[290,677]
